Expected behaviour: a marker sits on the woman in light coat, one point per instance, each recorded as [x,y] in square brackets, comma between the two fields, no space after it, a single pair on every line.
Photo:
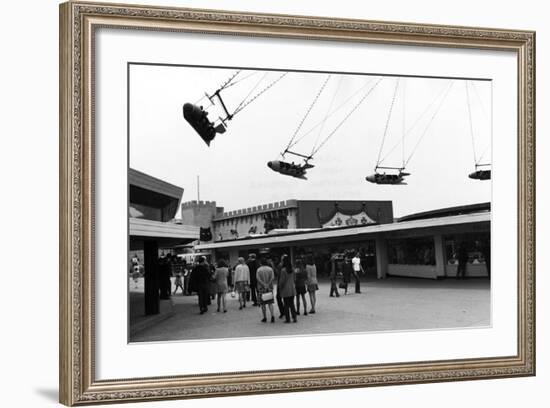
[242,281]
[312,283]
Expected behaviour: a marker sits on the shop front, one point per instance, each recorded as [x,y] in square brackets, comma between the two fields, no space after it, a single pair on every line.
[425,248]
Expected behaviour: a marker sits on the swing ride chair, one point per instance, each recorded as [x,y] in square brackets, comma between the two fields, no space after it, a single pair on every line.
[482,170]
[384,178]
[483,174]
[291,169]
[197,116]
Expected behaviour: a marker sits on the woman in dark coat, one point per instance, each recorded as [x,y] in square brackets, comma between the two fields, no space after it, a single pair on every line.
[286,289]
[300,285]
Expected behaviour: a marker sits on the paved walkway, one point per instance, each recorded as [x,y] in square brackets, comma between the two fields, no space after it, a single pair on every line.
[390,304]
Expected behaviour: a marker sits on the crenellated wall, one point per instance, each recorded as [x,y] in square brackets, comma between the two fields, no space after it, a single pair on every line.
[199,213]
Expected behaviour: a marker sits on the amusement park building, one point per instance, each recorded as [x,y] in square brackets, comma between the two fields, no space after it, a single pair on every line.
[152,206]
[419,245]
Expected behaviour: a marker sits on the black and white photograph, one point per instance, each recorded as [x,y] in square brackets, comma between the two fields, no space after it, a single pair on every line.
[273,202]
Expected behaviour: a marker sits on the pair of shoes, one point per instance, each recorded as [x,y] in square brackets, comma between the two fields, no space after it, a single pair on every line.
[357,292]
[298,313]
[244,305]
[337,295]
[202,311]
[272,319]
[305,313]
[218,310]
[264,320]
[240,308]
[331,295]
[295,321]
[312,311]
[225,311]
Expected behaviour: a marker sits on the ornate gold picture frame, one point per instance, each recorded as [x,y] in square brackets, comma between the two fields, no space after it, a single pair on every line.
[79,22]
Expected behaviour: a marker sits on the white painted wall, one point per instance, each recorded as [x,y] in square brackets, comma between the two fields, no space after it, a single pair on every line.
[28,163]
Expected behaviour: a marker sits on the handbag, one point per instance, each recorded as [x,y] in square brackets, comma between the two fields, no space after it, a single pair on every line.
[267,296]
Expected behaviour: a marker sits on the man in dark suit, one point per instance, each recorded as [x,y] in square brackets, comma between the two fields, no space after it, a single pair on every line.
[201,283]
[253,266]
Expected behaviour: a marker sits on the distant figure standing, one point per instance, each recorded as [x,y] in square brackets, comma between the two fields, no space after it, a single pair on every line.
[333,277]
[201,283]
[462,257]
[179,282]
[220,278]
[252,264]
[242,281]
[357,269]
[135,271]
[165,284]
[276,266]
[286,289]
[348,271]
[312,283]
[485,249]
[264,279]
[300,285]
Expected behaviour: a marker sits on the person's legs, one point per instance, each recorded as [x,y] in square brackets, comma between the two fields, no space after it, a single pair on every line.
[357,283]
[334,288]
[241,299]
[219,301]
[298,303]
[271,312]
[280,306]
[312,300]
[203,299]
[287,302]
[292,310]
[305,303]
[460,270]
[223,302]
[253,293]
[264,319]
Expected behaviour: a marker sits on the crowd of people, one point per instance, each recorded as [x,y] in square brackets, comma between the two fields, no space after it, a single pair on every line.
[258,283]
[262,283]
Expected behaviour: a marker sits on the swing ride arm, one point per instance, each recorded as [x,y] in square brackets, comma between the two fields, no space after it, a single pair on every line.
[228,116]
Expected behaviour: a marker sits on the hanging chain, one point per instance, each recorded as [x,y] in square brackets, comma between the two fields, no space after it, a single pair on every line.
[430,122]
[471,121]
[326,116]
[227,83]
[404,124]
[486,116]
[245,104]
[322,122]
[387,122]
[241,80]
[250,92]
[308,111]
[347,116]
[417,121]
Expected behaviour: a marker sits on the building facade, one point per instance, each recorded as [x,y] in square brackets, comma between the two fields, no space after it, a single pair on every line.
[421,245]
[151,210]
[289,215]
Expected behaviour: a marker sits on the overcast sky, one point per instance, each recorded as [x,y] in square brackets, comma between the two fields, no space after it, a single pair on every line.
[233,170]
